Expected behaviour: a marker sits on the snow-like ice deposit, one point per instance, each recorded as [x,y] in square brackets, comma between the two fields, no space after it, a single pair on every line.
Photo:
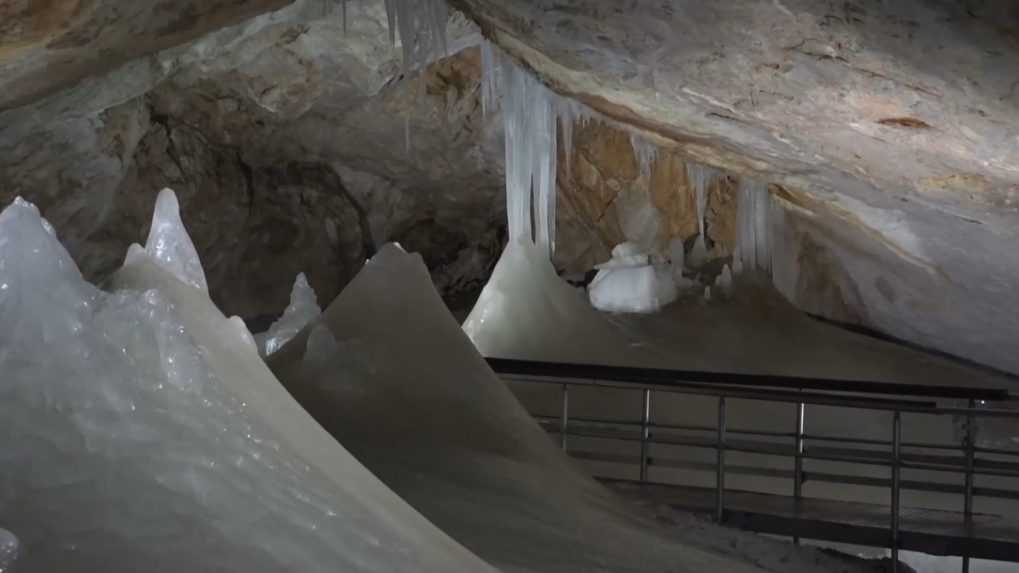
[302,310]
[630,283]
[140,431]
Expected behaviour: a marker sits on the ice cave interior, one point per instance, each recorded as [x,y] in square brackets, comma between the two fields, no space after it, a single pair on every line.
[531,286]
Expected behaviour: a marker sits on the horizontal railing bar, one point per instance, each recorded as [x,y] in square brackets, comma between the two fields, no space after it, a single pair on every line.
[765,395]
[841,455]
[663,377]
[809,476]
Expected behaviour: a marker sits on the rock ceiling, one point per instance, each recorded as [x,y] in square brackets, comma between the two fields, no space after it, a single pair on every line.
[889,127]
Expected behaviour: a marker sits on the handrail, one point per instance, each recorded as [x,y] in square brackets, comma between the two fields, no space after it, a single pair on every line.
[800,391]
[668,377]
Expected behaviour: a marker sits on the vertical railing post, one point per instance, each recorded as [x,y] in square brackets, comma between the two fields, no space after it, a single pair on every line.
[970,439]
[801,411]
[645,433]
[564,419]
[896,477]
[720,471]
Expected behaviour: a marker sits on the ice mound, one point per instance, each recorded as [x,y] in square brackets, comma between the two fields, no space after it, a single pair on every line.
[302,310]
[139,431]
[525,303]
[630,283]
[445,433]
[169,244]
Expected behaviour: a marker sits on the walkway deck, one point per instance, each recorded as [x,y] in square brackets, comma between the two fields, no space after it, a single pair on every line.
[927,531]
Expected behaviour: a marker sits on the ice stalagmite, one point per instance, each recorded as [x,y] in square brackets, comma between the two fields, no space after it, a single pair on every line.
[140,432]
[302,310]
[169,244]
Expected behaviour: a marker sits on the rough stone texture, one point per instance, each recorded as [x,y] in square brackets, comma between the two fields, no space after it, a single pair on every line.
[604,200]
[285,138]
[51,44]
[896,117]
[720,216]
[672,195]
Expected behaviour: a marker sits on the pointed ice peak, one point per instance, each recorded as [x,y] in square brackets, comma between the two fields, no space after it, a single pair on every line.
[37,273]
[29,249]
[169,244]
[302,311]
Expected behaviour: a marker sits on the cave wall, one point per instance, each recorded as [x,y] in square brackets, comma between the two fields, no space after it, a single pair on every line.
[296,141]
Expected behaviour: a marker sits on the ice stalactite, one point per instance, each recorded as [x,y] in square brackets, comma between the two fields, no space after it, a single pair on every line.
[302,310]
[529,115]
[700,178]
[571,113]
[422,28]
[169,244]
[646,153]
[754,219]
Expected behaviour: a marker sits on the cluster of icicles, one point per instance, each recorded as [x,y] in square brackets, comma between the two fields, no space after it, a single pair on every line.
[532,114]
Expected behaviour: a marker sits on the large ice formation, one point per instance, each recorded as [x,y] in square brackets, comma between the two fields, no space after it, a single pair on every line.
[529,115]
[302,310]
[630,283]
[140,431]
[441,429]
[525,304]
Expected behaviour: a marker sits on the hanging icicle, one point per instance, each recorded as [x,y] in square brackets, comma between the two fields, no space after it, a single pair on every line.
[422,28]
[700,178]
[753,216]
[646,153]
[529,115]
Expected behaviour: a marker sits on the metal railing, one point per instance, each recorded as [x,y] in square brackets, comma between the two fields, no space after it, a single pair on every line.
[895,399]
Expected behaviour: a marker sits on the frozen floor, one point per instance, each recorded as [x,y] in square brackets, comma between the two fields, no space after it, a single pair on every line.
[526,312]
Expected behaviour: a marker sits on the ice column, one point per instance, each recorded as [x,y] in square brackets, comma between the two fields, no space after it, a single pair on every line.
[169,245]
[754,225]
[529,113]
[422,28]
